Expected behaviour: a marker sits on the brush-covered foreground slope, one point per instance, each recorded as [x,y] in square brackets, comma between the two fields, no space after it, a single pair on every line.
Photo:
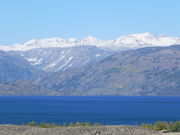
[101,130]
[146,71]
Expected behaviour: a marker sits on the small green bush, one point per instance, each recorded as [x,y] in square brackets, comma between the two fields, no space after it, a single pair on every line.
[32,123]
[87,124]
[77,124]
[150,126]
[177,126]
[43,125]
[64,125]
[160,126]
[97,124]
[51,125]
[71,125]
[172,126]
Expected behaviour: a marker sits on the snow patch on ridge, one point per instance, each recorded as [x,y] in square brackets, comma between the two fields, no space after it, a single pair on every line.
[65,64]
[32,59]
[37,62]
[97,55]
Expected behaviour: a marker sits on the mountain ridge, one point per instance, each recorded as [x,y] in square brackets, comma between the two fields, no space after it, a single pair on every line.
[13,67]
[153,71]
[60,59]
[149,71]
[131,41]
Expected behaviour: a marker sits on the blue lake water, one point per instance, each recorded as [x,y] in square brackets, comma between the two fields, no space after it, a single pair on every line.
[94,109]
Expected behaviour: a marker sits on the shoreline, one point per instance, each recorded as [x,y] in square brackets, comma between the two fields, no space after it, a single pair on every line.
[6,129]
[11,129]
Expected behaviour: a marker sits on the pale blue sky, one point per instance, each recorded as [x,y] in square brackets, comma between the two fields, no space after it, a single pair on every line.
[22,20]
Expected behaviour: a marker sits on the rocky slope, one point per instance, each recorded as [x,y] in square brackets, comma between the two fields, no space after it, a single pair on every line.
[24,88]
[146,71]
[61,59]
[13,67]
[104,130]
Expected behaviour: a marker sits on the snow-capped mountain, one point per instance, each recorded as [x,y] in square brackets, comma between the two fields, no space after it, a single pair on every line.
[129,41]
[61,59]
[56,54]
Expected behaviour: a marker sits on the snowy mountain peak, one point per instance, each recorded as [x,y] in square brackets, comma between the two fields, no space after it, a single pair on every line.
[146,34]
[71,40]
[129,41]
[90,38]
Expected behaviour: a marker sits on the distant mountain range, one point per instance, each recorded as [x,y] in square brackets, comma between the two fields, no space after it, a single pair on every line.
[148,71]
[124,42]
[137,64]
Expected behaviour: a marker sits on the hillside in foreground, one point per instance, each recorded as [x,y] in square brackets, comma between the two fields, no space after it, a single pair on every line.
[102,130]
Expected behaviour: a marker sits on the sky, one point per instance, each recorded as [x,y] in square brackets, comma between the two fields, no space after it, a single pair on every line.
[23,20]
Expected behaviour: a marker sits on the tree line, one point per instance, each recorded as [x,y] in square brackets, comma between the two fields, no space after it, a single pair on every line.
[50,125]
[168,126]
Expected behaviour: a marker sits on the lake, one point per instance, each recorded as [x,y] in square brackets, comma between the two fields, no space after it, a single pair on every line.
[127,110]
